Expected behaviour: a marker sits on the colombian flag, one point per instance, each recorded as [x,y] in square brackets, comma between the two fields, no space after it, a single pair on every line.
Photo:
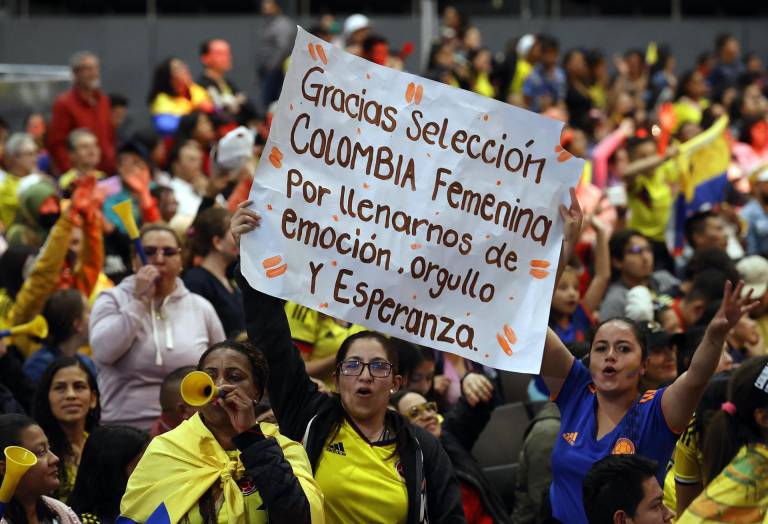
[703,166]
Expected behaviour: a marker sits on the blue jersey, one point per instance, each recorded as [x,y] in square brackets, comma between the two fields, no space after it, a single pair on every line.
[578,328]
[643,430]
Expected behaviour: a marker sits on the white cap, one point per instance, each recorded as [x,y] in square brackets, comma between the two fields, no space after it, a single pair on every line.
[355,23]
[525,44]
[234,148]
[754,271]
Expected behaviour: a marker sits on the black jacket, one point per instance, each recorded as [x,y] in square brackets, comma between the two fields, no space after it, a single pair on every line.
[306,415]
[462,426]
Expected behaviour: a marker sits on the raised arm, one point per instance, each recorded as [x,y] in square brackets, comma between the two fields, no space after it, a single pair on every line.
[681,398]
[294,397]
[643,165]
[602,277]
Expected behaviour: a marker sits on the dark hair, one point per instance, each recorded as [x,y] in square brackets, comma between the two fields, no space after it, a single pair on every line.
[372,41]
[389,348]
[619,241]
[710,403]
[158,191]
[636,141]
[721,40]
[639,330]
[161,80]
[395,399]
[696,224]
[155,227]
[118,100]
[711,258]
[615,483]
[745,128]
[548,42]
[175,152]
[102,475]
[205,46]
[11,427]
[213,222]
[62,309]
[41,411]
[728,433]
[186,129]
[682,85]
[169,388]
[707,285]
[12,264]
[259,366]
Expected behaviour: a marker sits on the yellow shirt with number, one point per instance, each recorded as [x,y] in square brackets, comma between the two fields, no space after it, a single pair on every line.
[361,481]
[650,199]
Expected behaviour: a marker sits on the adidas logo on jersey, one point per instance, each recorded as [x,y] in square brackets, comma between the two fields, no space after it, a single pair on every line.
[337,447]
[570,438]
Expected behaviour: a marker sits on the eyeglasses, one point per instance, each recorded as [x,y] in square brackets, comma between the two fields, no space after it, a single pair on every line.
[637,250]
[415,412]
[152,251]
[377,368]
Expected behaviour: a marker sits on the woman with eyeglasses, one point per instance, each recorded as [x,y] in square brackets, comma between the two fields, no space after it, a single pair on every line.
[458,433]
[147,327]
[371,465]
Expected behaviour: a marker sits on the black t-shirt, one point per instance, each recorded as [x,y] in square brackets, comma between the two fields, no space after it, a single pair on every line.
[229,306]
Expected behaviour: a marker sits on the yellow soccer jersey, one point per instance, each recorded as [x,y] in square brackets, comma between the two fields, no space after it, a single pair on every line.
[330,335]
[361,481]
[303,322]
[738,495]
[688,458]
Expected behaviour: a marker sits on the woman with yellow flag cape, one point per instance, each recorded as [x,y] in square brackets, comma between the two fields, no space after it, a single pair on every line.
[221,466]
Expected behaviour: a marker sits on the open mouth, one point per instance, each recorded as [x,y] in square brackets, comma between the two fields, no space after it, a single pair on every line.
[363,392]
[609,371]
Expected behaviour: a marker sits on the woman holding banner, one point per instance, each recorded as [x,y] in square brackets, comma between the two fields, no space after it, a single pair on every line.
[371,465]
[601,406]
[31,501]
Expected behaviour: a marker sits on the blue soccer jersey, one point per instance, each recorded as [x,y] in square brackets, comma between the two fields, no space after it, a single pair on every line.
[643,430]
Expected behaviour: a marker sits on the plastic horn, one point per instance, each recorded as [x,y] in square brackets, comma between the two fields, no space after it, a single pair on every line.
[38,327]
[198,389]
[17,461]
[124,210]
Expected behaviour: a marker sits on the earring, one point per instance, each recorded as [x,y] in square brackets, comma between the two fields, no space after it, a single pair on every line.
[391,391]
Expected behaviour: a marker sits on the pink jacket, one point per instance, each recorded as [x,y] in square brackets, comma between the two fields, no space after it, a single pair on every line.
[136,346]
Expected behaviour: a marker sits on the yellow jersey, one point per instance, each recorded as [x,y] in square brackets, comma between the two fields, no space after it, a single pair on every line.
[362,482]
[738,495]
[650,199]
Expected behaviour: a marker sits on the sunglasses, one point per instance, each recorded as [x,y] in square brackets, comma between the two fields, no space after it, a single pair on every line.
[377,368]
[415,412]
[152,251]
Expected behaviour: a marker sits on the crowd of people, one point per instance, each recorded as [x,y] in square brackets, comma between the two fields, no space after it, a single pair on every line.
[652,401]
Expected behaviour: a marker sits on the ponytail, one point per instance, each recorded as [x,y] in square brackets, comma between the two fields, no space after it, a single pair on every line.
[734,426]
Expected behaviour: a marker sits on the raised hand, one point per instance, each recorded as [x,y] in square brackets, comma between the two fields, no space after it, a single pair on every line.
[244,221]
[238,406]
[732,308]
[476,388]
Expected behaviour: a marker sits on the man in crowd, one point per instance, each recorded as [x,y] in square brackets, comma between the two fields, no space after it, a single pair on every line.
[84,155]
[86,106]
[274,46]
[216,57]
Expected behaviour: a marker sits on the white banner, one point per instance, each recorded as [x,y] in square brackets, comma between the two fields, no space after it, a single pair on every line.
[411,207]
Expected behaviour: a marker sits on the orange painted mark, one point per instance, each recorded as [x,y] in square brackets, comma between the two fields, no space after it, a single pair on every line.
[271,261]
[539,273]
[321,54]
[277,153]
[419,93]
[498,182]
[413,296]
[312,51]
[290,106]
[323,305]
[415,246]
[409,92]
[510,334]
[269,207]
[275,161]
[335,218]
[504,344]
[485,118]
[333,263]
[540,263]
[367,76]
[276,272]
[365,185]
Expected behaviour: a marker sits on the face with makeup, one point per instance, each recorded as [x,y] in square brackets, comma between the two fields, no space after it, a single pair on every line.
[616,359]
